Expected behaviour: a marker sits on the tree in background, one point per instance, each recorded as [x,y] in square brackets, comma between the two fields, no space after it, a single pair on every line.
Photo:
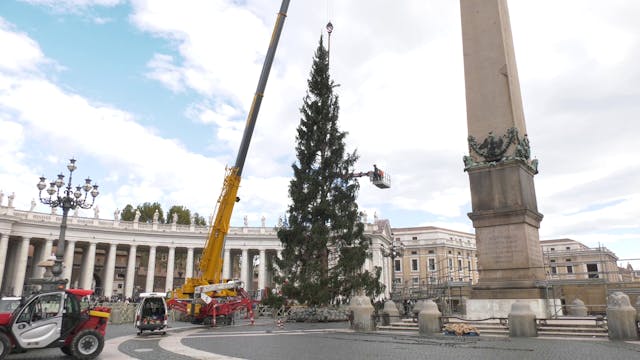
[128,213]
[184,215]
[199,220]
[324,243]
[148,209]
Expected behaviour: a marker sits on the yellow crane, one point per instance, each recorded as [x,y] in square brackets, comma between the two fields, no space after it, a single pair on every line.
[211,261]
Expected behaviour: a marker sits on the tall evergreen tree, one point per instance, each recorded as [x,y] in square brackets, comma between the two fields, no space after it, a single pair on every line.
[324,246]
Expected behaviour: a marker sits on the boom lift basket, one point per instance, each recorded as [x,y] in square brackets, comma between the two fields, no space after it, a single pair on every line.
[381,180]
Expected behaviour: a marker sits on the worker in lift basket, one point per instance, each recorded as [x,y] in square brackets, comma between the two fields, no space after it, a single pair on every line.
[377,173]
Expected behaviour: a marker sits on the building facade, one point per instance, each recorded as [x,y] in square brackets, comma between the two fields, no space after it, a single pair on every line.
[567,259]
[433,261]
[123,258]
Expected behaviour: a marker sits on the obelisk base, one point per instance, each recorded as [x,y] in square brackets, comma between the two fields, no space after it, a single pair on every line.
[495,300]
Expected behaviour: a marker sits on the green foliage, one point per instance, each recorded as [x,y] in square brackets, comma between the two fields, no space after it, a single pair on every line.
[324,245]
[184,215]
[148,209]
[274,301]
[199,220]
[128,213]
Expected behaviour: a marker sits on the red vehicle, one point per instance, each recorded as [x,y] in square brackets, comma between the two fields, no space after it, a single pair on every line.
[55,319]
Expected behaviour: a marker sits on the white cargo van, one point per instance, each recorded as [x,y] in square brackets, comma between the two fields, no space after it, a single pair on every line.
[151,313]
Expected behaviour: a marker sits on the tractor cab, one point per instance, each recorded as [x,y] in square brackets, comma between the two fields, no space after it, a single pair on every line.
[55,319]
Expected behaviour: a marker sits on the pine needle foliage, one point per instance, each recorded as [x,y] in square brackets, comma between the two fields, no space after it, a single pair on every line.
[323,237]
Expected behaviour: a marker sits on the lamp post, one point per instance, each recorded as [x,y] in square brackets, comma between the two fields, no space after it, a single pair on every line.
[67,199]
[396,249]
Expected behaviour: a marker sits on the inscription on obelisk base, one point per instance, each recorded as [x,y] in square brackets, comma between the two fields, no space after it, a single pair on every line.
[503,200]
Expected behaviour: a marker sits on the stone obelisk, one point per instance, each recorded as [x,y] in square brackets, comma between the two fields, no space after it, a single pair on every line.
[504,208]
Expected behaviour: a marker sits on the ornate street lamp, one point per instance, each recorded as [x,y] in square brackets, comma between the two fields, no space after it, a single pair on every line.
[67,199]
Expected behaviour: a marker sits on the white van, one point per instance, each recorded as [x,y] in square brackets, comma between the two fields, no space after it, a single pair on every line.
[151,313]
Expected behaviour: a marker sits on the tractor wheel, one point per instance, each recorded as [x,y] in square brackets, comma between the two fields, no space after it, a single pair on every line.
[5,345]
[66,350]
[87,344]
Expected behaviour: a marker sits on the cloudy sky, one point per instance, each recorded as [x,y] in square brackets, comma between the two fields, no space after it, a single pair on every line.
[151,98]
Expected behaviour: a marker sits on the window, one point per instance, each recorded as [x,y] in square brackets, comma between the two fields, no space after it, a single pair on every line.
[450,264]
[397,265]
[414,252]
[414,264]
[554,270]
[432,280]
[431,252]
[415,281]
[459,264]
[432,264]
[552,249]
[469,264]
[568,248]
[569,269]
[592,269]
[414,238]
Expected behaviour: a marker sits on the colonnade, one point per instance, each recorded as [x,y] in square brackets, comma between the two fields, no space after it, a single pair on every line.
[91,265]
[125,258]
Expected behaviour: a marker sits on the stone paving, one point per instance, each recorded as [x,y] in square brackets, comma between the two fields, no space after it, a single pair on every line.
[266,341]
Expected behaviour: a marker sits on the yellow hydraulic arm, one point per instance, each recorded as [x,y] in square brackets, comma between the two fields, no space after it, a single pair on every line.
[212,260]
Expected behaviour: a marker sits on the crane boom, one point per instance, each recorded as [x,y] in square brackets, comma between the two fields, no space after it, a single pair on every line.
[211,261]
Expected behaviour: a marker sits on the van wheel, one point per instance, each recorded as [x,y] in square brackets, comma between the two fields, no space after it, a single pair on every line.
[87,344]
[5,345]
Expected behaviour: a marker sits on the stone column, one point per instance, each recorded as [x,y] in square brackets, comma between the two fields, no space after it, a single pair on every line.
[88,265]
[171,259]
[38,254]
[226,266]
[621,317]
[522,320]
[503,201]
[131,272]
[244,269]
[21,266]
[262,270]
[151,269]
[361,314]
[110,268]
[429,318]
[4,245]
[189,266]
[69,253]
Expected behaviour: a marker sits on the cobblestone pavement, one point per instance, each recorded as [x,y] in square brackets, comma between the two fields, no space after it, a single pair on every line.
[328,341]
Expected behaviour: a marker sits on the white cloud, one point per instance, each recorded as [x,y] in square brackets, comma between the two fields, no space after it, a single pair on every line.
[164,70]
[24,54]
[402,102]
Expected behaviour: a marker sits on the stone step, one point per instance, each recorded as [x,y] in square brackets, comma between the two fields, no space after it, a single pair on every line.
[560,328]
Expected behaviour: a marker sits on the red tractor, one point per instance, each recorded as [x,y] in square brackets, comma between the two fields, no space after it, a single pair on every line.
[55,319]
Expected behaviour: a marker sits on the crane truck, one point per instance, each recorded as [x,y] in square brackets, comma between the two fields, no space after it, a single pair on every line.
[208,296]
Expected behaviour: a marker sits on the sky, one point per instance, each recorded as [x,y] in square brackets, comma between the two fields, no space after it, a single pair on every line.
[151,98]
